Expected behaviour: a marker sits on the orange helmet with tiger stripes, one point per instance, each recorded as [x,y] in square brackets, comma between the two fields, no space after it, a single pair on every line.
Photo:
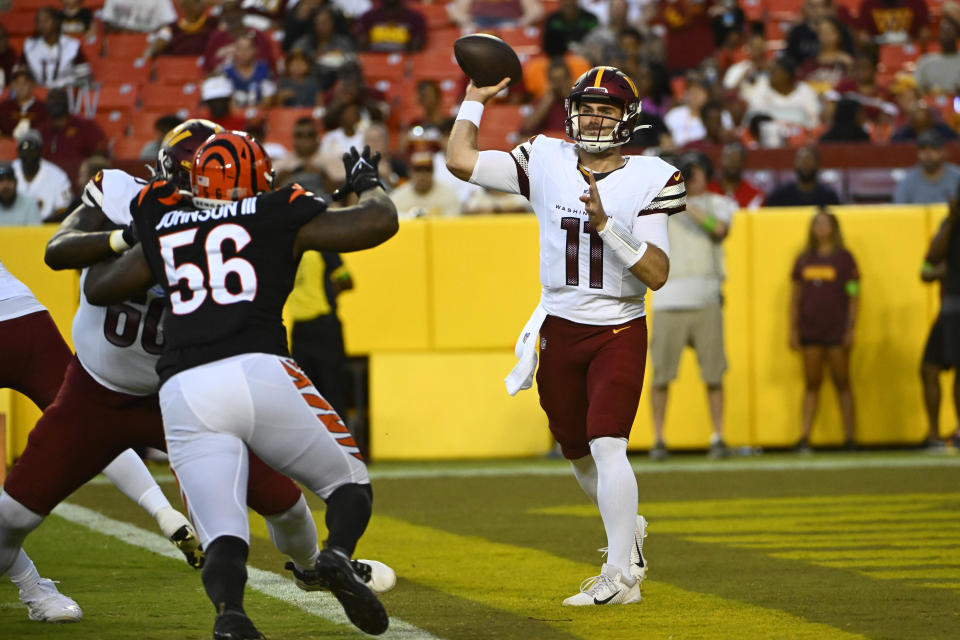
[229,166]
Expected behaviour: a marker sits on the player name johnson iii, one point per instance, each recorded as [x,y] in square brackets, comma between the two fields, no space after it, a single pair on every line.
[179,217]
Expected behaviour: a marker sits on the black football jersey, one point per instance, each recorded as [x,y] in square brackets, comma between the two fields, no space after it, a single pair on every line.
[227,271]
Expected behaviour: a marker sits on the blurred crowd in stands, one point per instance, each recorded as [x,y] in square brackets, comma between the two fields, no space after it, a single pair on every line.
[90,82]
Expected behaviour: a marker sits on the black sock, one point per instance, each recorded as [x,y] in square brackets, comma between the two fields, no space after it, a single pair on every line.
[348,512]
[225,573]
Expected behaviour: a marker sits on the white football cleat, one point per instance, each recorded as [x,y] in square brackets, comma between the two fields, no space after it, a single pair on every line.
[381,577]
[46,604]
[638,563]
[604,589]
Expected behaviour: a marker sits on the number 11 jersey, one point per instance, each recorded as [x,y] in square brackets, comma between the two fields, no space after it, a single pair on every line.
[582,280]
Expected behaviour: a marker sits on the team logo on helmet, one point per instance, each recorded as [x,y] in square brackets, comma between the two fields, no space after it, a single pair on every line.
[603,84]
[175,156]
[229,166]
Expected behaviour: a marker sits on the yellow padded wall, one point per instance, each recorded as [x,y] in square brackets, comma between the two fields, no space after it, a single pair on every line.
[389,308]
[451,405]
[485,279]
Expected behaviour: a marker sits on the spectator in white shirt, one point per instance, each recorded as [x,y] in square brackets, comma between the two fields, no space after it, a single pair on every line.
[743,76]
[138,15]
[54,59]
[684,121]
[39,178]
[792,103]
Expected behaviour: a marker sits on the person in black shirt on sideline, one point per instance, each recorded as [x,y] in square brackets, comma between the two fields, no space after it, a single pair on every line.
[806,190]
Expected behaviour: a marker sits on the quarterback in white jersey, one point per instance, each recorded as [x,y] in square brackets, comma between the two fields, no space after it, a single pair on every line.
[603,243]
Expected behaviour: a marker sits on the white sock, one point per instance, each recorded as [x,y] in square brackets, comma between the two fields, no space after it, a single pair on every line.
[16,522]
[131,476]
[24,573]
[295,533]
[585,470]
[617,500]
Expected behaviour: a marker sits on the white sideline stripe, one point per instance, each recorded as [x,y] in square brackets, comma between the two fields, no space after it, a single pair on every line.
[751,463]
[320,604]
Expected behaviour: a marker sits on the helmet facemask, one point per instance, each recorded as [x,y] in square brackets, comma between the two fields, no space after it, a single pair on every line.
[609,86]
[605,136]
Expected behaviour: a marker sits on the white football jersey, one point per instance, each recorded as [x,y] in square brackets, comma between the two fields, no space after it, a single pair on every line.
[582,280]
[119,345]
[16,299]
[58,65]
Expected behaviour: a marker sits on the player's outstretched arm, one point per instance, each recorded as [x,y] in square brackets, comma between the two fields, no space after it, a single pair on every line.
[462,149]
[79,241]
[372,221]
[115,281]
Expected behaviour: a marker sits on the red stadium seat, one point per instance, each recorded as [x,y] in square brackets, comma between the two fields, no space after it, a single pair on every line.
[282,120]
[119,70]
[501,136]
[435,14]
[31,6]
[753,9]
[436,66]
[383,66]
[141,123]
[895,57]
[441,40]
[126,45]
[114,122]
[177,69]
[8,149]
[163,97]
[526,41]
[117,96]
[852,6]
[19,23]
[128,148]
[16,43]
[782,9]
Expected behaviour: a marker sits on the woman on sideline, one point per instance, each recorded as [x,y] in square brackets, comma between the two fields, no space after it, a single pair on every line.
[823,312]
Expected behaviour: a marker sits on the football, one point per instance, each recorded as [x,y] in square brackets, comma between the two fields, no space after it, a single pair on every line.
[487,59]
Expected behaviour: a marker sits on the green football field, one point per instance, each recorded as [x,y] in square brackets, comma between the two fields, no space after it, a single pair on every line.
[774,546]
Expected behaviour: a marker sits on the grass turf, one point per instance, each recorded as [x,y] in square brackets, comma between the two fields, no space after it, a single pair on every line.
[743,552]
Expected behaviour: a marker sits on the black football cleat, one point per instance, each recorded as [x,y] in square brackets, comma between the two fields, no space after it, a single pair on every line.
[235,625]
[361,605]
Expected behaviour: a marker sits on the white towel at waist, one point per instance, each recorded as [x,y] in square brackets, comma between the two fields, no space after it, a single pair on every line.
[521,376]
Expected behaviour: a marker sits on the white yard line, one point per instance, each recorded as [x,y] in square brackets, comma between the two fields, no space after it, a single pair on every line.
[777,462]
[320,604]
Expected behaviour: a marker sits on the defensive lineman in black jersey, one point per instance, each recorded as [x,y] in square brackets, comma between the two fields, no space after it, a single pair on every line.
[227,260]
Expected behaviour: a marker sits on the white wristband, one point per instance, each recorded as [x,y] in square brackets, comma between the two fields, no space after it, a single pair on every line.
[117,243]
[627,248]
[471,110]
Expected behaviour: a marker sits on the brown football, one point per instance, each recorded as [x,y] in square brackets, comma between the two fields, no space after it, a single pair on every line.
[487,59]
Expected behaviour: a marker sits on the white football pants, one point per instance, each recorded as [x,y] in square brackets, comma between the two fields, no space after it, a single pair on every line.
[213,412]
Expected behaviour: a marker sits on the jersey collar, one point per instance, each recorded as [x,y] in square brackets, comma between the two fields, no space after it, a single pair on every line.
[585,173]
